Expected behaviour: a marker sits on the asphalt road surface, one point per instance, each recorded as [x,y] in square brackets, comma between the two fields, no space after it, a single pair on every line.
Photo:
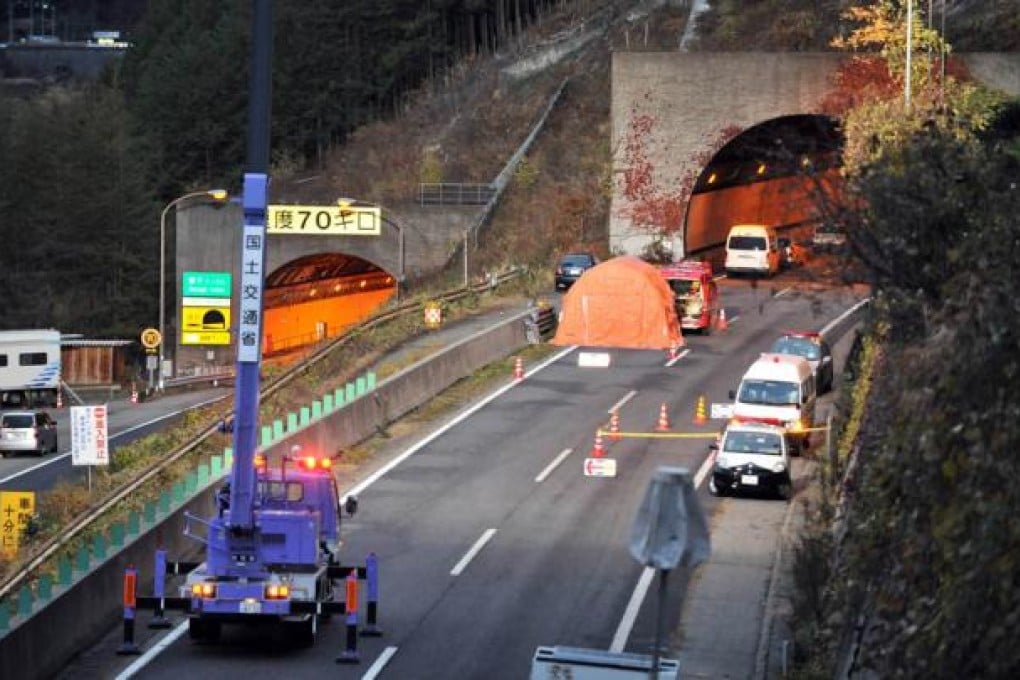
[490,539]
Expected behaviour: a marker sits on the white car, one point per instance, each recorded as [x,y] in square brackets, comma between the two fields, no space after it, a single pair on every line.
[28,431]
[752,457]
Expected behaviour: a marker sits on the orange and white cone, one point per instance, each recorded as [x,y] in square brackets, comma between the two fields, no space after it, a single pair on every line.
[134,394]
[60,400]
[519,369]
[599,451]
[614,426]
[700,417]
[721,323]
[663,424]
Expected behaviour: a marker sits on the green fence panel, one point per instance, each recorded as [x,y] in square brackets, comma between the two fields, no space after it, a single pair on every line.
[215,467]
[305,416]
[291,421]
[316,409]
[133,523]
[350,392]
[327,403]
[81,561]
[44,589]
[150,509]
[360,385]
[117,534]
[370,380]
[338,397]
[25,601]
[203,475]
[64,571]
[228,458]
[190,484]
[277,429]
[99,547]
[177,492]
[267,435]
[5,616]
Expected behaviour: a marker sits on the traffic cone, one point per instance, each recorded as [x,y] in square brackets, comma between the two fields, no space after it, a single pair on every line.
[519,369]
[600,450]
[700,417]
[721,324]
[663,424]
[614,426]
[134,394]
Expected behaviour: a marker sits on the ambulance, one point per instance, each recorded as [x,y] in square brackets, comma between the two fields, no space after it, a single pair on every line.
[696,295]
[778,389]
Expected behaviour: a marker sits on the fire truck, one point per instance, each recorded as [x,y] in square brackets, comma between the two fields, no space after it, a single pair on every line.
[695,292]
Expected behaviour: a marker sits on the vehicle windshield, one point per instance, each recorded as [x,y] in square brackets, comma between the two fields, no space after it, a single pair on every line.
[768,443]
[271,490]
[769,392]
[18,420]
[802,347]
[683,287]
[576,261]
[747,243]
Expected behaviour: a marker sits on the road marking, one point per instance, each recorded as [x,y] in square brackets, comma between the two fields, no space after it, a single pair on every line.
[615,407]
[552,466]
[783,292]
[734,319]
[62,456]
[835,322]
[375,476]
[475,549]
[376,668]
[678,357]
[142,661]
[630,614]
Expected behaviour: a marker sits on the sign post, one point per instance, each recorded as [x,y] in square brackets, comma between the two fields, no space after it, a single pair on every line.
[16,511]
[89,438]
[151,341]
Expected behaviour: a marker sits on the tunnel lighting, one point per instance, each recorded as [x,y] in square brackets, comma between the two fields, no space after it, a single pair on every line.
[313,292]
[363,283]
[761,168]
[711,178]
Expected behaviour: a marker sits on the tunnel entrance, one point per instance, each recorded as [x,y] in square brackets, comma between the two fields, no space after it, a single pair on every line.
[318,297]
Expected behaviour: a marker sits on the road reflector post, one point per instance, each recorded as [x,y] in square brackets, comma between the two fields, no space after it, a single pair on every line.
[371,628]
[350,653]
[159,619]
[128,646]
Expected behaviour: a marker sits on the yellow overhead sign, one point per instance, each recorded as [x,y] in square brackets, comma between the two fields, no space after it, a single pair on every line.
[205,318]
[326,220]
[16,510]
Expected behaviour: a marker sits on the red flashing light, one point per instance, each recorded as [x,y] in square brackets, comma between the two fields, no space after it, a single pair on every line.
[260,462]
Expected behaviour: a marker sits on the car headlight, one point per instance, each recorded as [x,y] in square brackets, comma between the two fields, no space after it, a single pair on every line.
[722,460]
[778,466]
[693,307]
[795,426]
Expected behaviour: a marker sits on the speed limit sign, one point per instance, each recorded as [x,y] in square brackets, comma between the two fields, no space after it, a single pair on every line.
[151,338]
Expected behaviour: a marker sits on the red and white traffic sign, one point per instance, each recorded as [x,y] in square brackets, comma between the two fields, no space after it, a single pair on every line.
[599,467]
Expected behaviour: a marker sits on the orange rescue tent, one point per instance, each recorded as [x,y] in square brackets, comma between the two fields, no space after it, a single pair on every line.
[622,302]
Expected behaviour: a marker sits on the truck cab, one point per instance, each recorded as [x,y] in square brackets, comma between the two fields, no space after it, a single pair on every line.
[696,295]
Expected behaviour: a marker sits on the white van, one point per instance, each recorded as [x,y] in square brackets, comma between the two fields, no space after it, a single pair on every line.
[752,249]
[778,389]
[751,457]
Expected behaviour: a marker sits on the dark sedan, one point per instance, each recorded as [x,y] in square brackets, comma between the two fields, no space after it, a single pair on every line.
[571,266]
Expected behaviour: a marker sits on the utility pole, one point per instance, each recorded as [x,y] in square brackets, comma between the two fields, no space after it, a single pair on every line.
[910,38]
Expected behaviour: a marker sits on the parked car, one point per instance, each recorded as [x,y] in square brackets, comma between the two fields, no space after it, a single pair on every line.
[813,347]
[29,431]
[571,267]
[828,237]
[752,457]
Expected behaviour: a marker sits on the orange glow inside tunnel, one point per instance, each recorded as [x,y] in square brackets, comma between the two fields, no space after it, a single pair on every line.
[296,325]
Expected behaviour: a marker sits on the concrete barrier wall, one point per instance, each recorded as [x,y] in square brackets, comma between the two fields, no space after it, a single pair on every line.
[77,618]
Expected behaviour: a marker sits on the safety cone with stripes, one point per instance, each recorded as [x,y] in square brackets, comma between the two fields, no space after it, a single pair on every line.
[663,424]
[519,369]
[60,399]
[700,417]
[614,426]
[721,324]
[599,451]
[134,394]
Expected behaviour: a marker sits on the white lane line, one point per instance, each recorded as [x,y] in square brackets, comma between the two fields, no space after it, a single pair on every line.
[678,357]
[552,466]
[783,292]
[475,549]
[375,476]
[835,322]
[615,407]
[62,456]
[630,614]
[376,668]
[142,661]
[733,319]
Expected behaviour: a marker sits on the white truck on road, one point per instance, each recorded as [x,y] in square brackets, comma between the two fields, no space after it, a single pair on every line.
[29,368]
